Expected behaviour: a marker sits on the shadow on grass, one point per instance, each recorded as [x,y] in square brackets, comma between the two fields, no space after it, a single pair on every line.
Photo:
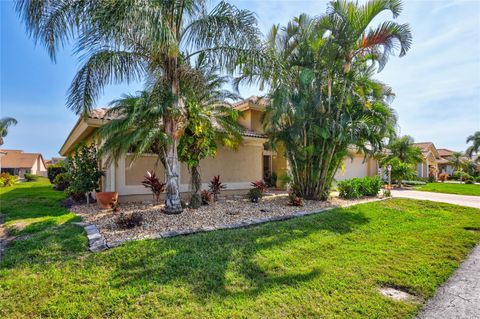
[215,263]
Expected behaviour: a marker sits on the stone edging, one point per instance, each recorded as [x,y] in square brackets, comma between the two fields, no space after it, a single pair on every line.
[97,243]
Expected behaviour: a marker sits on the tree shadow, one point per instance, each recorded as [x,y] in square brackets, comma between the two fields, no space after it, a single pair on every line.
[228,262]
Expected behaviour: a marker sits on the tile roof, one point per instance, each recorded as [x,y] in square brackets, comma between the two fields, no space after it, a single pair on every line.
[423,146]
[101,114]
[443,152]
[253,99]
[18,159]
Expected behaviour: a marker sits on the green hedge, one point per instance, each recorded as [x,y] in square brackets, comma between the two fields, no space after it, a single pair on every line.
[359,187]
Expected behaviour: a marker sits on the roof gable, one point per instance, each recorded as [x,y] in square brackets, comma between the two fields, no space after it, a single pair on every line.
[19,159]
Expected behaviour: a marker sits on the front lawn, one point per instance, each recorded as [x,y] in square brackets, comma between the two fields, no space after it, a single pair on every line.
[451,188]
[328,265]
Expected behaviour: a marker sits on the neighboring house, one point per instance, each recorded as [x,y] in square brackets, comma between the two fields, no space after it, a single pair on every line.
[54,160]
[16,162]
[444,165]
[431,159]
[251,161]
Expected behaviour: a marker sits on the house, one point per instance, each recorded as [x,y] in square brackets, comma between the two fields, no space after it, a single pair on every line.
[54,160]
[431,158]
[444,165]
[16,162]
[251,161]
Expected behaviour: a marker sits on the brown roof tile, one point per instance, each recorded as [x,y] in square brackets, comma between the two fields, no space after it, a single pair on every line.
[443,152]
[18,159]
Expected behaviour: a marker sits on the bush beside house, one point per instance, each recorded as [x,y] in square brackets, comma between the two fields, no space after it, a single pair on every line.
[359,187]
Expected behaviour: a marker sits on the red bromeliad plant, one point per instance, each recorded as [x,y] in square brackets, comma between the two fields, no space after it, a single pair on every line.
[216,186]
[151,181]
[260,185]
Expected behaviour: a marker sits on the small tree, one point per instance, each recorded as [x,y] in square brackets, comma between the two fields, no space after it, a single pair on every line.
[400,170]
[83,172]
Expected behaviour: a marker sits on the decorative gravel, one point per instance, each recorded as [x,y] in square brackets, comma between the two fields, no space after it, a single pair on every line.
[229,213]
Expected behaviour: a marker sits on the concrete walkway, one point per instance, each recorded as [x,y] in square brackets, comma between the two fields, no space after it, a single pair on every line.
[463,200]
[459,296]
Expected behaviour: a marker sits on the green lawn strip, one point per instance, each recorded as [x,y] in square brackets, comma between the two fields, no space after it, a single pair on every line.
[326,265]
[451,188]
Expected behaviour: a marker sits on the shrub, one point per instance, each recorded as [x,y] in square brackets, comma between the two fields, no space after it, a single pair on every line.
[413,183]
[8,180]
[151,181]
[431,179]
[477,179]
[215,186]
[458,175]
[387,193]
[349,188]
[370,186]
[206,197]
[469,181]
[443,177]
[254,194]
[61,182]
[294,200]
[55,169]
[83,172]
[272,180]
[358,187]
[30,177]
[260,185]
[129,221]
[285,180]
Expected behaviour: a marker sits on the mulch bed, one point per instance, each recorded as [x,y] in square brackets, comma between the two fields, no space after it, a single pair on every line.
[229,213]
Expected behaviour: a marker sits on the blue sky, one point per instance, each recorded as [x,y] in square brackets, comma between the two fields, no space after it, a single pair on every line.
[437,84]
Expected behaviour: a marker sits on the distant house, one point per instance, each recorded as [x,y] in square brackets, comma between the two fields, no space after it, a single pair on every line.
[444,164]
[54,160]
[16,162]
[431,160]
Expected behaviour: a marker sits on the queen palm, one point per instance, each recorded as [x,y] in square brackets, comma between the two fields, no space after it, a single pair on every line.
[125,40]
[5,123]
[456,159]
[475,147]
[404,149]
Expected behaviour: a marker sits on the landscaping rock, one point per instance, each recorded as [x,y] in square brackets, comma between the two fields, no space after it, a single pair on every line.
[229,213]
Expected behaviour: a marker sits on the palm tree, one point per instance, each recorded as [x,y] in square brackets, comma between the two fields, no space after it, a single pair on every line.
[125,40]
[209,120]
[475,147]
[404,149]
[5,123]
[323,97]
[456,159]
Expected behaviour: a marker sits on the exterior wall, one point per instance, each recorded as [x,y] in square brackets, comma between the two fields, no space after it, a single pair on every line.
[356,167]
[237,169]
[256,121]
[279,163]
[243,165]
[39,168]
[245,119]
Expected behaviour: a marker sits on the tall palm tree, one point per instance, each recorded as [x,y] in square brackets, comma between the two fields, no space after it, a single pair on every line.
[125,40]
[475,147]
[404,149]
[5,123]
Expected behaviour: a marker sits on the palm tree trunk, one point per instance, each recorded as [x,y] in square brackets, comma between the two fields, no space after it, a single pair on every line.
[173,204]
[196,184]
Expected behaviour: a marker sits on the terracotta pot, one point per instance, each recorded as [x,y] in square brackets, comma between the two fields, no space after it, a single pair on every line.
[106,199]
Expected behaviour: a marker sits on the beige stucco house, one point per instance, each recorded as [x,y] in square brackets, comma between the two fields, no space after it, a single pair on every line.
[251,161]
[16,162]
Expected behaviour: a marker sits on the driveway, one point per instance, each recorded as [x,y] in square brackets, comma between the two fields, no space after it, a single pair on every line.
[463,200]
[459,296]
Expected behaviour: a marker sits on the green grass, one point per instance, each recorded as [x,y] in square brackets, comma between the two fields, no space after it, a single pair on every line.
[320,266]
[451,188]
